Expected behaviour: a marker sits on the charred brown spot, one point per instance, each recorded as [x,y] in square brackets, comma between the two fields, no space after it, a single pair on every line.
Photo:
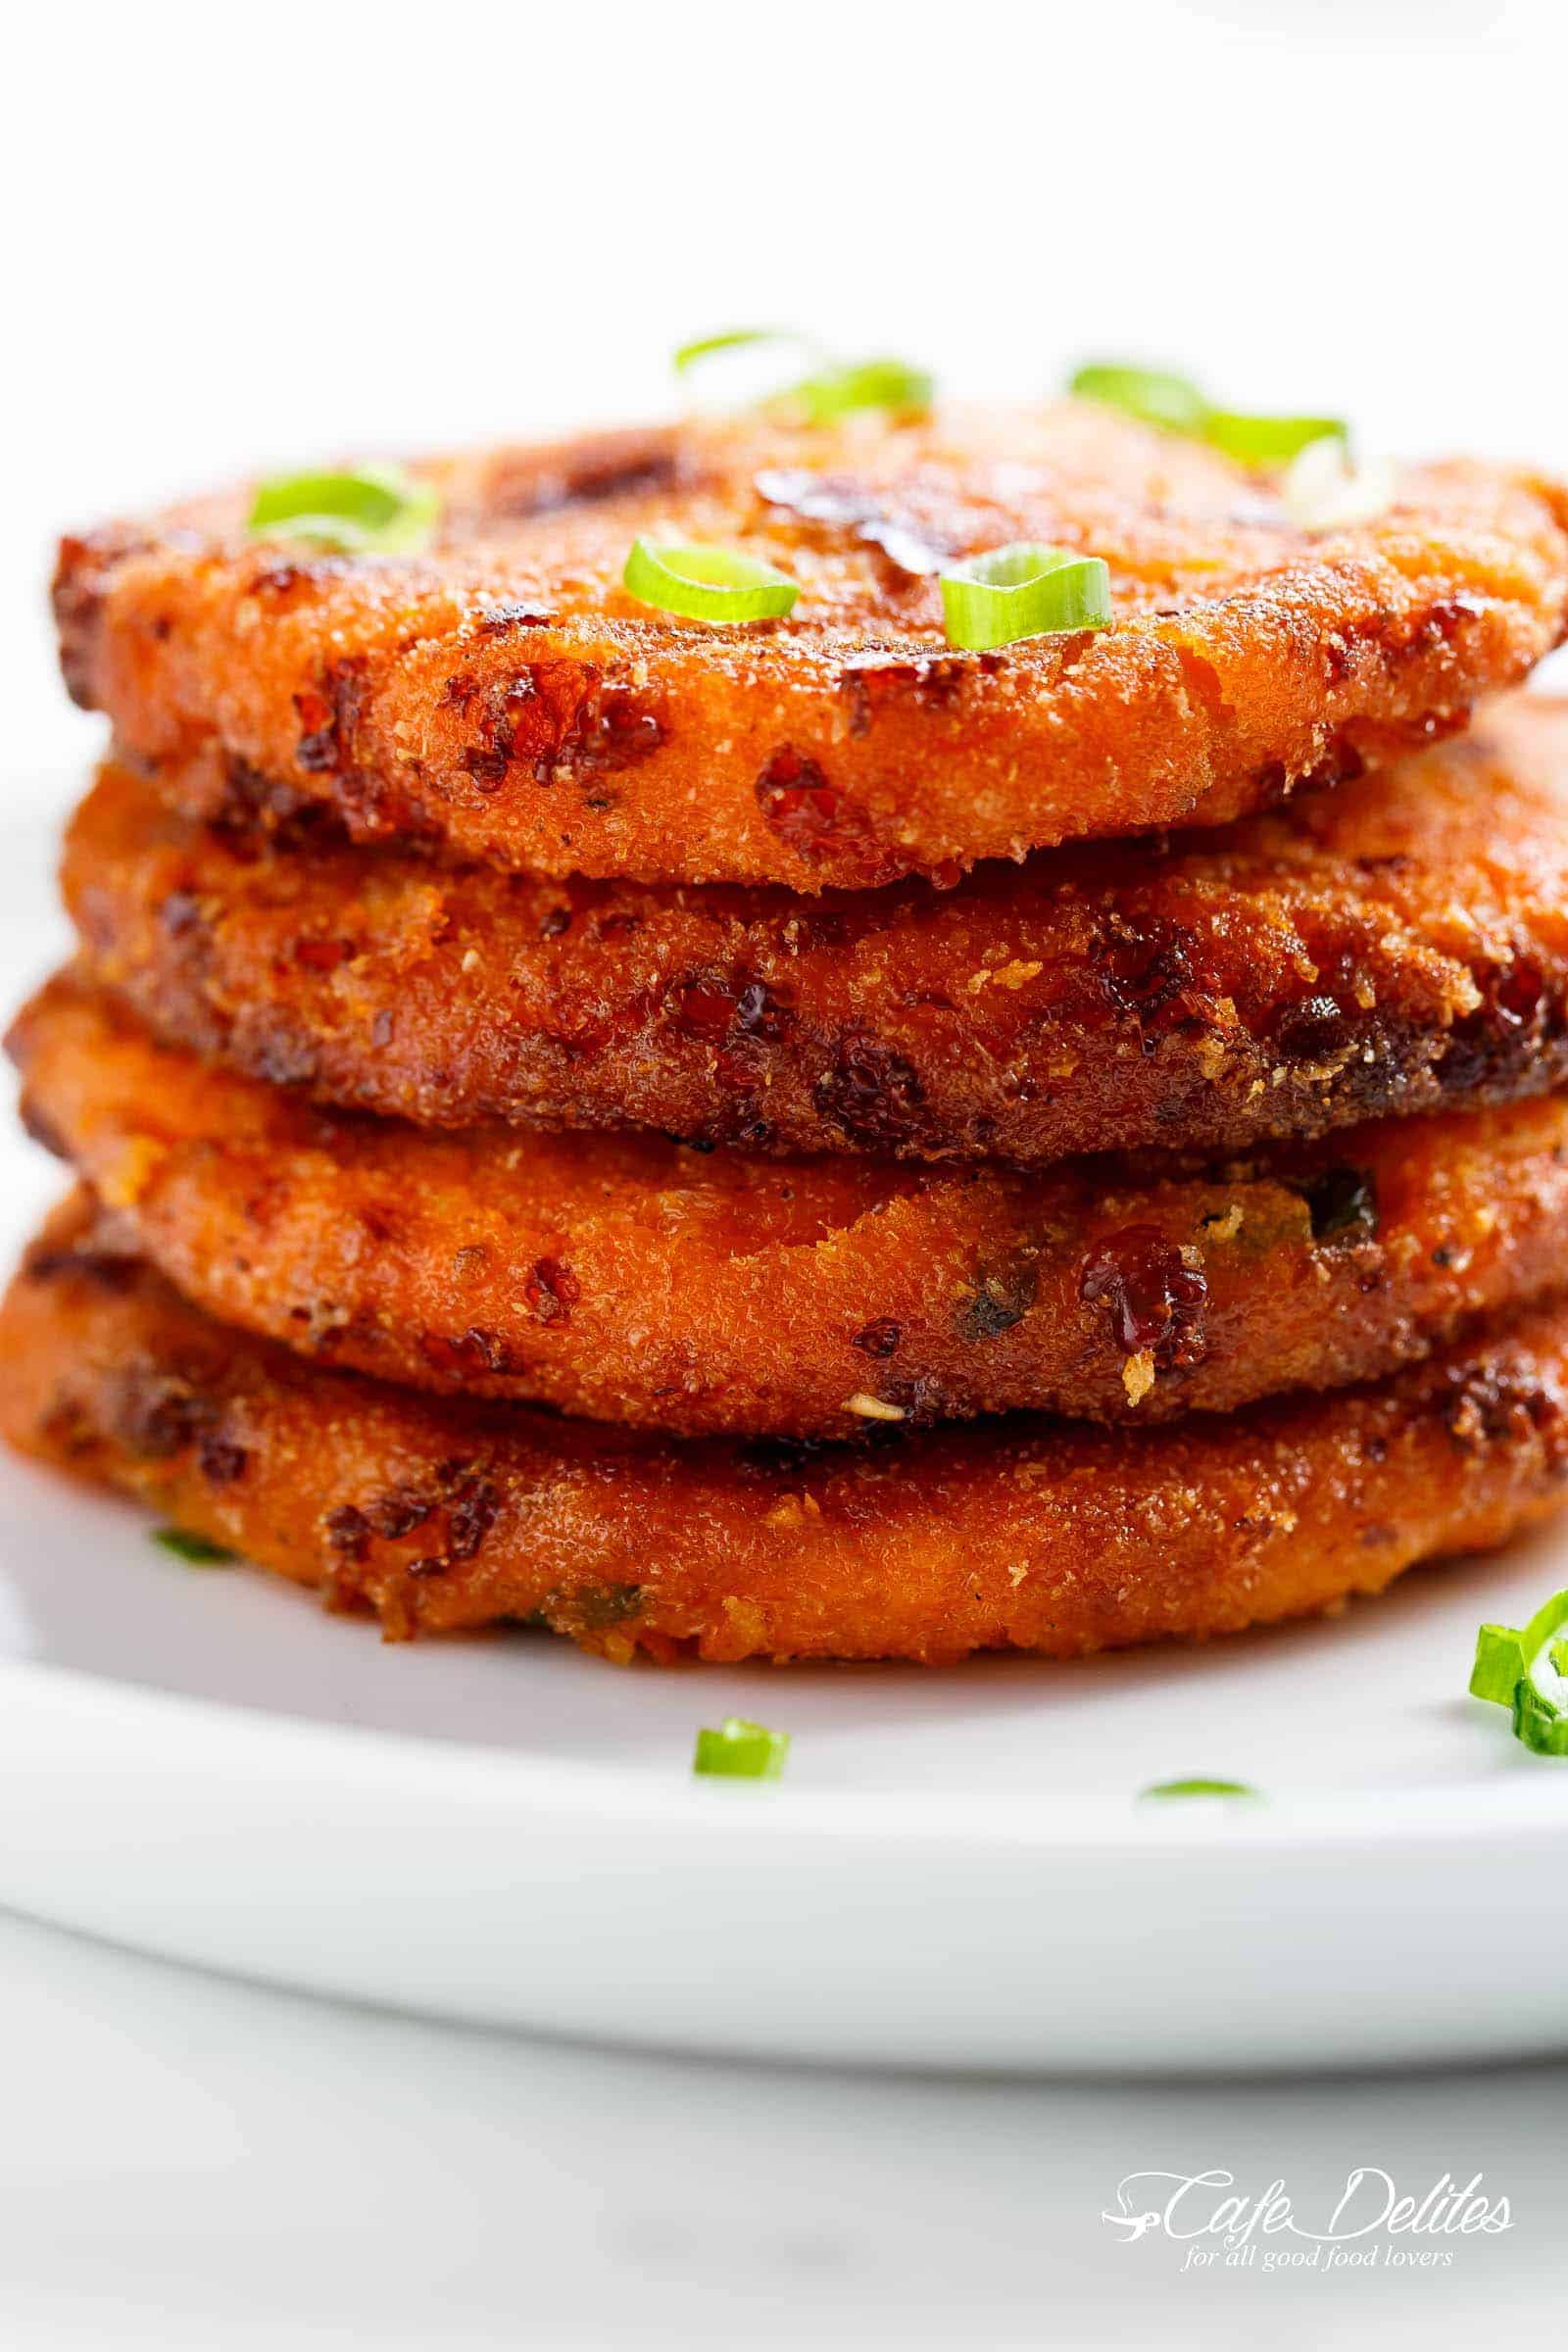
[220,1459]
[1316,1030]
[158,1414]
[717,1007]
[551,1290]
[1002,1297]
[931,681]
[881,1339]
[1342,1204]
[348,1531]
[465,1352]
[1141,969]
[1155,1300]
[328,716]
[1489,1407]
[1520,1010]
[800,803]
[873,1094]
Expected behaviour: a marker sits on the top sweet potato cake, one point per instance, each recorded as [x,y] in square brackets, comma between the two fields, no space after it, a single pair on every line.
[504,693]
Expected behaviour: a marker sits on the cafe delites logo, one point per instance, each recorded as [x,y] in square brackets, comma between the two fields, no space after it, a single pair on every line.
[1370,2223]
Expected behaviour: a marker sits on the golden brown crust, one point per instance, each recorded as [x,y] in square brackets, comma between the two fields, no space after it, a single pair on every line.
[506,695]
[1021,1533]
[638,1281]
[1393,945]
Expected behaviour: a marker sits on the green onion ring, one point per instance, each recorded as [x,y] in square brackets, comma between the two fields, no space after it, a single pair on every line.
[1508,1669]
[741,1751]
[1268,440]
[835,392]
[1148,393]
[1182,407]
[733,338]
[708,583]
[374,509]
[1023,591]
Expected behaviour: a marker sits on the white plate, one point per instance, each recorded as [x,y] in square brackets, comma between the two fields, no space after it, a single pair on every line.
[956,1870]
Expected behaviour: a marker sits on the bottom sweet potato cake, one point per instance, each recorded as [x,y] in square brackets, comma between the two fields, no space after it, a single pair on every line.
[1024,1534]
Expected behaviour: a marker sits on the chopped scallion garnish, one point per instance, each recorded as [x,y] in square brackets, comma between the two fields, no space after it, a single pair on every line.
[1145,392]
[835,388]
[1023,591]
[1200,1788]
[1268,440]
[741,1751]
[1155,397]
[376,509]
[708,583]
[1526,1669]
[734,338]
[835,392]
[197,1551]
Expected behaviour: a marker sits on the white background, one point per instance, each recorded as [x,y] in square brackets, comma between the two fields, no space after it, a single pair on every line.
[239,237]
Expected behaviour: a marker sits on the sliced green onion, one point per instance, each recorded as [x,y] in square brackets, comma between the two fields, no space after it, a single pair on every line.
[378,509]
[708,583]
[835,392]
[1268,440]
[1148,393]
[196,1550]
[1023,591]
[742,1752]
[1182,407]
[1539,1721]
[1510,1670]
[1500,1666]
[1199,1787]
[734,338]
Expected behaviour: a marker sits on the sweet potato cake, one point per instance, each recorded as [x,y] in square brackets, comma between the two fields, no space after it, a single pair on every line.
[1393,945]
[505,694]
[638,1281]
[1022,1533]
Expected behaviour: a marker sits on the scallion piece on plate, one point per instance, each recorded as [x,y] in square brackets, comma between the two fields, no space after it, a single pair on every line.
[1023,591]
[1525,1669]
[708,583]
[197,1551]
[1148,393]
[835,392]
[1199,1787]
[741,1751]
[376,509]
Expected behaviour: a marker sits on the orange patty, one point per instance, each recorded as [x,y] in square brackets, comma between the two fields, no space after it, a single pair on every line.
[1022,1534]
[1396,944]
[638,1281]
[505,694]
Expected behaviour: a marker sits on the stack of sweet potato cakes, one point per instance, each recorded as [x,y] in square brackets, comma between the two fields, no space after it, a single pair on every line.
[877,1038]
